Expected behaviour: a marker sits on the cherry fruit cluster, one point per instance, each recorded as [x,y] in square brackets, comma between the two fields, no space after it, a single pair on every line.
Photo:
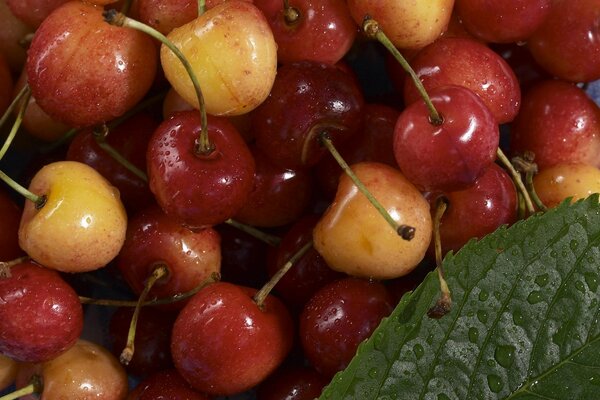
[228,163]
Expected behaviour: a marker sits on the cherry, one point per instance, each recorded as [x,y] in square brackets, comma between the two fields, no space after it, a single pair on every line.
[86,371]
[478,210]
[468,63]
[33,12]
[152,339]
[12,31]
[292,383]
[224,343]
[166,384]
[452,155]
[164,16]
[316,30]
[42,316]
[154,239]
[567,44]
[338,318]
[503,22]
[353,238]
[307,99]
[559,182]
[10,214]
[559,123]
[195,189]
[82,93]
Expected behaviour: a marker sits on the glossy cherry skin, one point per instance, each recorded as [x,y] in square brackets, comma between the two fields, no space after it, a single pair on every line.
[292,383]
[478,210]
[324,30]
[559,123]
[450,156]
[558,182]
[567,44]
[500,21]
[33,12]
[82,93]
[10,215]
[279,196]
[307,99]
[128,139]
[468,63]
[338,317]
[152,339]
[153,239]
[199,190]
[223,343]
[41,314]
[163,385]
[87,371]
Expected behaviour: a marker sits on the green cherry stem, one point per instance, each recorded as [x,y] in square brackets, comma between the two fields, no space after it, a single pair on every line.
[516,176]
[35,387]
[159,272]
[405,231]
[258,234]
[261,295]
[22,93]
[372,30]
[16,124]
[527,166]
[100,133]
[113,17]
[38,200]
[444,303]
[201,7]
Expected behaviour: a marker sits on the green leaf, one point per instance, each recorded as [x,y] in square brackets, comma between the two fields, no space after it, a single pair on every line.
[523,324]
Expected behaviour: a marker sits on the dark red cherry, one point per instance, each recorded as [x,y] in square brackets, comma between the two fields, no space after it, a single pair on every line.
[165,385]
[292,383]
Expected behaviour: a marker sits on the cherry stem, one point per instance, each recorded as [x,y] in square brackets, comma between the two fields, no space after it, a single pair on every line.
[214,277]
[38,200]
[405,231]
[159,272]
[100,133]
[201,7]
[271,240]
[516,177]
[113,17]
[261,295]
[444,303]
[16,101]
[16,124]
[35,387]
[5,266]
[526,165]
[372,30]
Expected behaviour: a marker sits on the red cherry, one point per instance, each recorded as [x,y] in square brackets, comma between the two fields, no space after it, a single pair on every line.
[199,190]
[163,385]
[33,12]
[224,343]
[450,156]
[292,383]
[41,314]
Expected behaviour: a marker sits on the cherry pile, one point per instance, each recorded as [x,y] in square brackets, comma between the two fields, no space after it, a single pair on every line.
[257,183]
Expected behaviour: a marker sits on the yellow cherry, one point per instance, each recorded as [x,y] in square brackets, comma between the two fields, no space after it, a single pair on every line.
[559,182]
[82,224]
[353,237]
[232,52]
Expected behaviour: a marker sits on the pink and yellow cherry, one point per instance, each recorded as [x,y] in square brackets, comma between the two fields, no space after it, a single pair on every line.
[155,239]
[468,63]
[567,44]
[307,99]
[165,384]
[559,123]
[234,30]
[10,214]
[353,238]
[338,318]
[87,93]
[8,371]
[12,31]
[451,155]
[223,343]
[316,30]
[87,371]
[42,316]
[195,189]
[501,21]
[408,24]
[556,183]
[80,226]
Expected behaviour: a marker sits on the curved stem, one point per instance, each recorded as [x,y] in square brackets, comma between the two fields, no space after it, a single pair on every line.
[113,17]
[158,273]
[38,200]
[372,30]
[5,266]
[516,176]
[407,232]
[444,303]
[100,137]
[261,295]
[527,165]
[258,234]
[16,124]
[22,93]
